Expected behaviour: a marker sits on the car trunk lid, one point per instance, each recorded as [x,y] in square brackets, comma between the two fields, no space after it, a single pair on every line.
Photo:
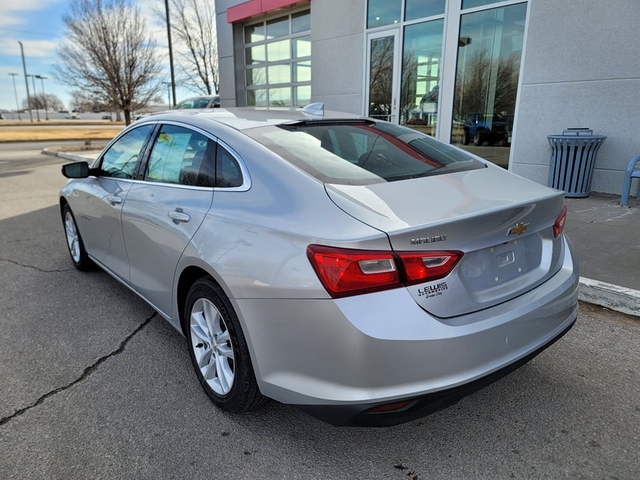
[501,222]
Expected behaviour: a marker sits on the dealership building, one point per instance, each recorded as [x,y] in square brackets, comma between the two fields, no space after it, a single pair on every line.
[494,77]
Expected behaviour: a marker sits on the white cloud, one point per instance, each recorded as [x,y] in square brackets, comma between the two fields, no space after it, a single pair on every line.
[11,10]
[32,48]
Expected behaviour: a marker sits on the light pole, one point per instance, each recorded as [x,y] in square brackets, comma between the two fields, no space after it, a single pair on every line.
[33,80]
[13,77]
[44,96]
[173,77]
[168,84]
[26,81]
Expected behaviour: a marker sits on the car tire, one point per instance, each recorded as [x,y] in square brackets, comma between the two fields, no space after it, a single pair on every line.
[75,244]
[218,349]
[465,138]
[478,139]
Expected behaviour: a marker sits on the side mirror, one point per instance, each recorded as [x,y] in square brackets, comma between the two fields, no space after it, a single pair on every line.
[76,170]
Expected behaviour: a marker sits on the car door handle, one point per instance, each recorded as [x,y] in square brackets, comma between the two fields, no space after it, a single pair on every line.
[178,216]
[114,199]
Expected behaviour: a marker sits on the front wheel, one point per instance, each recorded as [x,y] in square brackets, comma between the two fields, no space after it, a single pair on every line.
[75,244]
[478,139]
[218,349]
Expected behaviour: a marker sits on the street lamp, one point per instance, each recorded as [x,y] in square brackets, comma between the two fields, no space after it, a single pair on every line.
[33,80]
[26,81]
[44,96]
[13,77]
[173,77]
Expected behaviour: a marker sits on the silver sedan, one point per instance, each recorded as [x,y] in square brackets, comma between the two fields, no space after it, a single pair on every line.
[364,272]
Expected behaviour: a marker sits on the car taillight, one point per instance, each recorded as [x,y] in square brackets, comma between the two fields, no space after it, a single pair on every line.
[558,226]
[345,272]
[427,266]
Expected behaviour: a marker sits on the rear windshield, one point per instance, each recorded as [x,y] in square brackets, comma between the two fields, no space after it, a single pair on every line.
[361,152]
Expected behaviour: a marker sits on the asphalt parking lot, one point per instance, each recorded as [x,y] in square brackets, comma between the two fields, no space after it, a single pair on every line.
[93,385]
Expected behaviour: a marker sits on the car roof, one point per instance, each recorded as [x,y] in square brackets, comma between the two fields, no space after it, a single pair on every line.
[242,118]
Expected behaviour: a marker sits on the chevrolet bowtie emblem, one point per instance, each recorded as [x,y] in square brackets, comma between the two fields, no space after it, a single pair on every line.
[519,229]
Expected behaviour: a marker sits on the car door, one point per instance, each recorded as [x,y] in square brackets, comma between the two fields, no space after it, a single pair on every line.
[99,205]
[164,210]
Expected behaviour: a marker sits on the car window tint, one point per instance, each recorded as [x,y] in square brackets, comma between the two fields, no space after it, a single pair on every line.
[181,156]
[121,158]
[228,173]
[363,152]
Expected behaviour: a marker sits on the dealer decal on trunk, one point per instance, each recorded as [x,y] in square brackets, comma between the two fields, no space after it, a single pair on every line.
[433,290]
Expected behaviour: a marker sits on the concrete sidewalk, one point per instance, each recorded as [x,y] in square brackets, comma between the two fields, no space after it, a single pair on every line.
[606,237]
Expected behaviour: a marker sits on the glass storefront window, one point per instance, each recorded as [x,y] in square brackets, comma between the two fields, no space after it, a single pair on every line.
[279,97]
[423,8]
[300,22]
[257,98]
[255,55]
[254,33]
[302,47]
[421,61]
[278,50]
[489,52]
[383,12]
[302,72]
[277,28]
[302,95]
[257,76]
[278,61]
[279,74]
[476,3]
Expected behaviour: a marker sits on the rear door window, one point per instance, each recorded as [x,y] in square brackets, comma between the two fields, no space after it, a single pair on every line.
[181,156]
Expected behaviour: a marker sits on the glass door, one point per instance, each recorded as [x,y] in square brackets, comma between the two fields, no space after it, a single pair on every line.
[382,75]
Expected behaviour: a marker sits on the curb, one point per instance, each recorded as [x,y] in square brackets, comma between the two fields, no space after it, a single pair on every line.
[614,297]
[71,156]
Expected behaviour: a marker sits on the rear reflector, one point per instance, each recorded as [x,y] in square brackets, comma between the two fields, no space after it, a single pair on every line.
[558,226]
[345,272]
[390,407]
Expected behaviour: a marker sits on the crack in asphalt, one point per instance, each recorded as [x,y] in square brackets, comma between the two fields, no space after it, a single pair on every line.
[85,374]
[37,269]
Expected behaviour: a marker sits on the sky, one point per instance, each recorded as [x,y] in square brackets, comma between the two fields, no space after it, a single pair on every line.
[39,26]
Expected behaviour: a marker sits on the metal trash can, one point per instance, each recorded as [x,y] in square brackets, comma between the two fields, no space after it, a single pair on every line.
[573,156]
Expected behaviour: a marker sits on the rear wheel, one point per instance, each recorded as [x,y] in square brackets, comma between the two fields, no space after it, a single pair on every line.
[218,349]
[75,244]
[465,138]
[478,139]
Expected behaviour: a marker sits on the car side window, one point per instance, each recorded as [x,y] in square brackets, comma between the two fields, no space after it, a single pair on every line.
[228,172]
[121,158]
[181,156]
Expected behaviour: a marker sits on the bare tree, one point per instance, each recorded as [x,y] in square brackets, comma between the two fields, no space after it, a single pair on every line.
[38,102]
[479,76]
[109,54]
[193,30]
[381,78]
[84,101]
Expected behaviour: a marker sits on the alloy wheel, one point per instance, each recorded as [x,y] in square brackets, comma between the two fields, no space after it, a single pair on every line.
[212,347]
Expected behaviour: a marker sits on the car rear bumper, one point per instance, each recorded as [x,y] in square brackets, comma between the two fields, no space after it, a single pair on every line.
[337,359]
[364,415]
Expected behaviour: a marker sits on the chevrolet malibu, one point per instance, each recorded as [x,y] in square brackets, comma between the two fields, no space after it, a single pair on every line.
[358,270]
